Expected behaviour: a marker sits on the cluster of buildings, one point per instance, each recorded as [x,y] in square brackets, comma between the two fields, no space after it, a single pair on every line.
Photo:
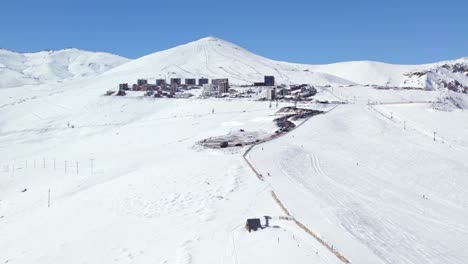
[266,90]
[163,88]
[292,92]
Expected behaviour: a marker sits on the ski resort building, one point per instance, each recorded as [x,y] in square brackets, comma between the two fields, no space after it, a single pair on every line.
[160,82]
[141,82]
[253,224]
[123,86]
[190,81]
[222,85]
[176,81]
[202,81]
[216,82]
[269,80]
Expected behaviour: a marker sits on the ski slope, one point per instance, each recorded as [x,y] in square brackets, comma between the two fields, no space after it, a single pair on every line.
[128,184]
[377,192]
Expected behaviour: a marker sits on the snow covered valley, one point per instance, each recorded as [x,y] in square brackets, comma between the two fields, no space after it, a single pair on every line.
[129,184]
[87,178]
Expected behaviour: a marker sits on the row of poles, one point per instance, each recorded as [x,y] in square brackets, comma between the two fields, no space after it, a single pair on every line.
[38,164]
[434,133]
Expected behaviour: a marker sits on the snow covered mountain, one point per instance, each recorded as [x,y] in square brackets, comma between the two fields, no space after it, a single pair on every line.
[215,58]
[17,69]
[211,57]
[99,179]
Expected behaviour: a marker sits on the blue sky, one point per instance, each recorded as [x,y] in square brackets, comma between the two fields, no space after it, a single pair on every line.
[298,31]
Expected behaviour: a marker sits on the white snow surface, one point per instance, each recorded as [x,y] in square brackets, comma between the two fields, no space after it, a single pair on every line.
[129,184]
[17,69]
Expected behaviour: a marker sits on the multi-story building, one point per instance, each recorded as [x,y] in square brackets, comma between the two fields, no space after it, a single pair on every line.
[202,81]
[222,85]
[160,82]
[141,82]
[269,80]
[123,86]
[190,81]
[216,82]
[176,81]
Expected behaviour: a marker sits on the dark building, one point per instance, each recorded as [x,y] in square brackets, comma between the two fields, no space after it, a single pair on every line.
[202,81]
[141,82]
[190,81]
[259,84]
[253,224]
[269,80]
[123,86]
[176,81]
[160,82]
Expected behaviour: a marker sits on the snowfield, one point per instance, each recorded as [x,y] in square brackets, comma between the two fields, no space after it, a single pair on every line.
[17,69]
[87,178]
[150,194]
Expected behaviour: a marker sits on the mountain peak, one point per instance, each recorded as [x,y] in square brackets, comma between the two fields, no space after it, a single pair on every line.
[210,38]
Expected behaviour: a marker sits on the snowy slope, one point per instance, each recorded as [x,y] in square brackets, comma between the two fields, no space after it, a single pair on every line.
[137,189]
[147,196]
[17,69]
[215,58]
[374,183]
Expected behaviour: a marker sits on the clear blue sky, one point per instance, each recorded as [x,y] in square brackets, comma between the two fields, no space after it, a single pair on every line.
[299,31]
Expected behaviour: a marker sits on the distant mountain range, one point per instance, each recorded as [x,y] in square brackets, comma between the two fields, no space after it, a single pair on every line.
[17,69]
[215,58]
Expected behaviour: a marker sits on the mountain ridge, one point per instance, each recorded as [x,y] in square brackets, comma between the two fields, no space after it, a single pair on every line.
[212,57]
[18,69]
